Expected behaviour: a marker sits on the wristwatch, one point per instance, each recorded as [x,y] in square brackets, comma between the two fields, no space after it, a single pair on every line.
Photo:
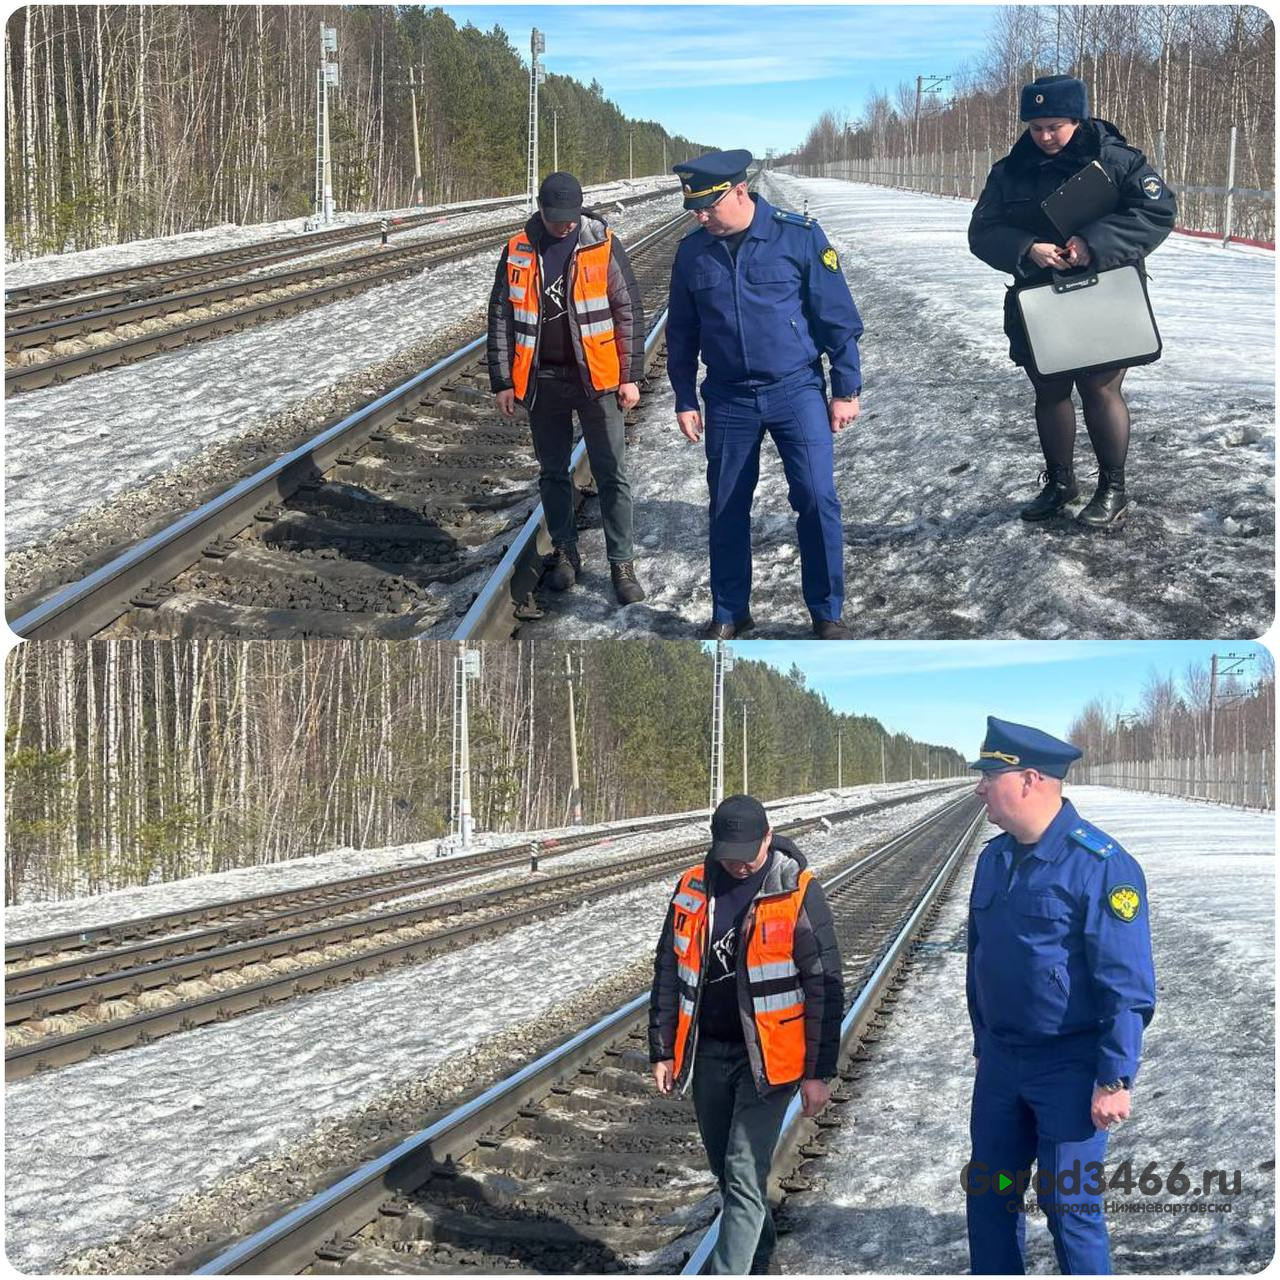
[1114,1087]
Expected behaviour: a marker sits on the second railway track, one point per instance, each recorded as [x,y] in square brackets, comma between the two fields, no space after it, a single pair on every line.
[78,1007]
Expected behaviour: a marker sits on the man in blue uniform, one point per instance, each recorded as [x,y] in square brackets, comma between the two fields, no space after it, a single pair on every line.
[1060,987]
[759,294]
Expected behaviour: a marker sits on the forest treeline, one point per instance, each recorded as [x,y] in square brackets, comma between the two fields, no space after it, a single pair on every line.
[134,761]
[1173,716]
[1189,72]
[132,121]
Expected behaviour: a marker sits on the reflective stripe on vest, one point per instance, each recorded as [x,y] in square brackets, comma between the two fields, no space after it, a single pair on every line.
[523,291]
[777,998]
[590,310]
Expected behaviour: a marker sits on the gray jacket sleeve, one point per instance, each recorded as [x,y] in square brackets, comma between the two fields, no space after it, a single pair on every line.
[817,956]
[628,314]
[502,333]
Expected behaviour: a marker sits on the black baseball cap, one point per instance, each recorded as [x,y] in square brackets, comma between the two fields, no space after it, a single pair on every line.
[737,828]
[560,197]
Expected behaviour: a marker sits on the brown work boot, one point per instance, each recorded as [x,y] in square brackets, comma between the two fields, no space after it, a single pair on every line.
[626,586]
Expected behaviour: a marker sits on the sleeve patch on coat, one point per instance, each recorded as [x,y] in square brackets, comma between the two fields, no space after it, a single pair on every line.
[830,259]
[1124,902]
[1153,187]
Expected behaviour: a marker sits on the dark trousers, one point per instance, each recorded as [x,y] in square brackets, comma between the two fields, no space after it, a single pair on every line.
[796,415]
[551,424]
[1035,1105]
[739,1131]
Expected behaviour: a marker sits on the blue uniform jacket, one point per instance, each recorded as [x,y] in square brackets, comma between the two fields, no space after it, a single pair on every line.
[1065,951]
[762,318]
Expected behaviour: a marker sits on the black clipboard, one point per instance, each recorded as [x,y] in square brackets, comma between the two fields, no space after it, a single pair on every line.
[1084,198]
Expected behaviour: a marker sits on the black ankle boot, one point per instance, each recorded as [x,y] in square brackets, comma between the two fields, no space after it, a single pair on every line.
[1060,487]
[1108,505]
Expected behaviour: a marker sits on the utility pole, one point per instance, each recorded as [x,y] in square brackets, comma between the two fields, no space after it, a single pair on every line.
[466,667]
[631,153]
[723,664]
[419,196]
[745,790]
[664,153]
[575,788]
[882,773]
[934,85]
[840,758]
[537,45]
[1231,664]
[327,77]
[555,138]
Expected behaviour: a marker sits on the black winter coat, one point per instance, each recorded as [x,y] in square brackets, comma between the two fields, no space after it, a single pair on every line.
[1008,218]
[815,952]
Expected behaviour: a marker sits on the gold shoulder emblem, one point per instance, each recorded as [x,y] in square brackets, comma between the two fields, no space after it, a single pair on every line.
[1124,902]
[830,260]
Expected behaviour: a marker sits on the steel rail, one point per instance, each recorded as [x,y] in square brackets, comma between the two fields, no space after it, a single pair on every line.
[303,243]
[118,931]
[796,1128]
[66,307]
[79,609]
[288,1245]
[405,258]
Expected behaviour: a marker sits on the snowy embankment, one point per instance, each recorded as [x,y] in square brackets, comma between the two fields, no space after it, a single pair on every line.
[97,1147]
[888,1197]
[70,448]
[932,475]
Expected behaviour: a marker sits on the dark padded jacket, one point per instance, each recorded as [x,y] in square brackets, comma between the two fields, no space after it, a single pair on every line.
[1008,219]
[625,306]
[816,955]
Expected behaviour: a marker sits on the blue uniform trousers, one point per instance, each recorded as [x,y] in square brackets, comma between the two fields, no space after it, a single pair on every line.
[1034,1104]
[795,414]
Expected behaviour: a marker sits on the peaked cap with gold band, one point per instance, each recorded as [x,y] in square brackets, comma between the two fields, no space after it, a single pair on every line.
[1019,746]
[704,179]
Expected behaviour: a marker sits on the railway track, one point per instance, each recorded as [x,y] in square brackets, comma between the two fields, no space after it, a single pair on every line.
[56,948]
[574,1164]
[36,341]
[71,290]
[386,524]
[65,1012]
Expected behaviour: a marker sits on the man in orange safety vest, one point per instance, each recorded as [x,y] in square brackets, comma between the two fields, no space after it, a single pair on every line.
[747,1001]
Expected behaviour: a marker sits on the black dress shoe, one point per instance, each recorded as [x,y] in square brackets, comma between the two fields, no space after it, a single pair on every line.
[1060,487]
[1108,506]
[735,630]
[831,629]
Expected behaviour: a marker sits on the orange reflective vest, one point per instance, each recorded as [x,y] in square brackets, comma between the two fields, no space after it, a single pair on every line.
[773,981]
[594,319]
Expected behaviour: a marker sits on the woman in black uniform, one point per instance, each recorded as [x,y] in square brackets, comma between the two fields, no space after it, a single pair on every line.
[1011,232]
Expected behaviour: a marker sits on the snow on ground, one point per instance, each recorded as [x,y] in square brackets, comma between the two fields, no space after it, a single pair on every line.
[933,474]
[888,1198]
[70,448]
[59,266]
[35,919]
[101,1145]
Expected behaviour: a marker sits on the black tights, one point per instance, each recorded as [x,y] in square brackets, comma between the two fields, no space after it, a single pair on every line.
[1106,417]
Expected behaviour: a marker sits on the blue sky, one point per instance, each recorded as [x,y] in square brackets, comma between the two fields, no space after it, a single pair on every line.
[942,691]
[753,76]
